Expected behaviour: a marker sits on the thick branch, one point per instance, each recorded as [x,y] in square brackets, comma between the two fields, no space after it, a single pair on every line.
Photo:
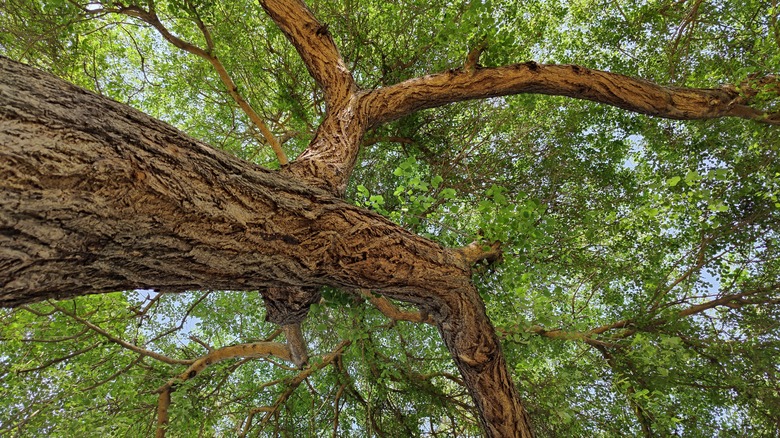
[632,94]
[97,197]
[316,47]
[328,161]
[296,344]
[475,348]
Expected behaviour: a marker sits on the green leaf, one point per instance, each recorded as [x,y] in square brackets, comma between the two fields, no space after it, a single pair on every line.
[448,193]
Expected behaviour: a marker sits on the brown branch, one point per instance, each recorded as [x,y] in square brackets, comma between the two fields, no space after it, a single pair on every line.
[374,140]
[686,27]
[163,403]
[296,344]
[585,337]
[637,95]
[701,260]
[331,155]
[337,409]
[291,386]
[315,46]
[479,251]
[644,418]
[605,328]
[253,350]
[390,310]
[50,340]
[733,301]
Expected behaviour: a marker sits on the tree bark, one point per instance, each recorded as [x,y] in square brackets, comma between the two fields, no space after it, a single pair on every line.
[97,197]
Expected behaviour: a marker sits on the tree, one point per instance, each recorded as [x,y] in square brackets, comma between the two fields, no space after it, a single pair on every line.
[628,259]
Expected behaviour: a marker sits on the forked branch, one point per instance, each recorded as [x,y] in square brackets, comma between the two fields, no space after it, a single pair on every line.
[252,350]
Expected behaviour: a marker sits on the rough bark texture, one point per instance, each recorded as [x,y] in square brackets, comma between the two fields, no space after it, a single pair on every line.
[98,197]
[330,157]
[288,307]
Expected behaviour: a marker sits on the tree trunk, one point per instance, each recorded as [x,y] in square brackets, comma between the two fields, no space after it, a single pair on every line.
[97,197]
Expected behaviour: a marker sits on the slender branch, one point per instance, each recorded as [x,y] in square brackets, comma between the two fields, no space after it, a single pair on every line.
[150,17]
[637,95]
[733,301]
[292,384]
[568,336]
[116,340]
[645,421]
[112,376]
[253,350]
[337,409]
[391,311]
[63,358]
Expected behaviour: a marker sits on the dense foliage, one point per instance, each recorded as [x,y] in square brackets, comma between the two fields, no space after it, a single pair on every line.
[638,291]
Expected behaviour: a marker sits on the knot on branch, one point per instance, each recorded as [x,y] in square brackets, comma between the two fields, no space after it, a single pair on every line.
[289,304]
[481,251]
[288,307]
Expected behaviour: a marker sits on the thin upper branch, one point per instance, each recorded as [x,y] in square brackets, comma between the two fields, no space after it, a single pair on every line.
[292,384]
[316,47]
[637,95]
[116,340]
[150,17]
